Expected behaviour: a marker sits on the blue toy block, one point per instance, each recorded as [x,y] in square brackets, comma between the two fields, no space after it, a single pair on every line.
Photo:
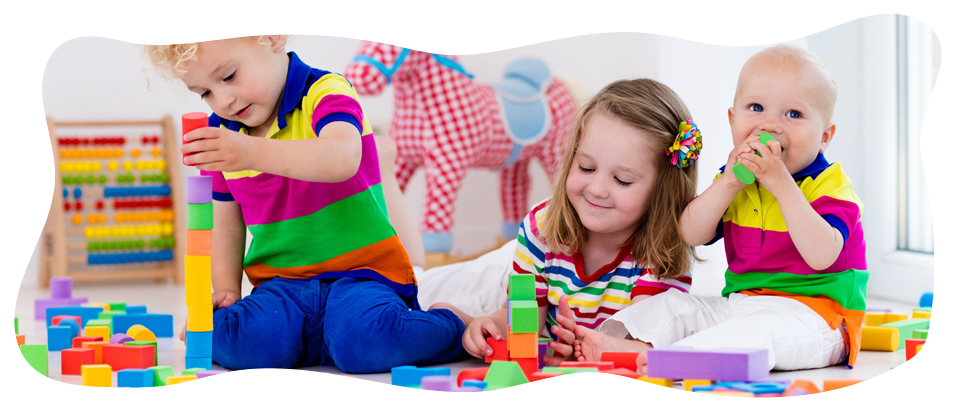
[409,376]
[58,338]
[86,314]
[74,327]
[475,383]
[198,344]
[133,310]
[756,388]
[159,324]
[926,300]
[134,378]
[204,363]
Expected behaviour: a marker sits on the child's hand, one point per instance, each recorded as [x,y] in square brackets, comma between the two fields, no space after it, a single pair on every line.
[475,335]
[219,300]
[731,161]
[564,345]
[218,150]
[768,168]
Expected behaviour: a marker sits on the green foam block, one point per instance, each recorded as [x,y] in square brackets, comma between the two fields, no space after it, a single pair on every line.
[742,173]
[523,316]
[906,328]
[36,356]
[120,306]
[521,287]
[504,374]
[108,314]
[192,371]
[566,371]
[16,326]
[920,334]
[160,373]
[102,322]
[199,216]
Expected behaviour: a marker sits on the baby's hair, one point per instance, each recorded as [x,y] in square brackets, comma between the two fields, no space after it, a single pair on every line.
[654,108]
[792,55]
[171,61]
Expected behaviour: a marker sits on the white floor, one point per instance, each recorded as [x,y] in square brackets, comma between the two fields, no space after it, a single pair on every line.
[170,299]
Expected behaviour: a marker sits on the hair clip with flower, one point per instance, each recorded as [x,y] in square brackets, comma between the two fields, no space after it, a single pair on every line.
[686,146]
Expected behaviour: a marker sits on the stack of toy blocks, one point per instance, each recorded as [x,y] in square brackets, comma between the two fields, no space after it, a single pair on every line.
[199,271]
[522,327]
[61,295]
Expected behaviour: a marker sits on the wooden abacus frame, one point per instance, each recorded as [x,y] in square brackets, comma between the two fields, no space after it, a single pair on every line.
[54,260]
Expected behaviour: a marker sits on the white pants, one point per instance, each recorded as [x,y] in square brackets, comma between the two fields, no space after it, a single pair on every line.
[478,287]
[795,335]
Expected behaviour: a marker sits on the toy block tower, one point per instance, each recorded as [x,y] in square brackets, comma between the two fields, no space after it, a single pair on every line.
[198,260]
[522,327]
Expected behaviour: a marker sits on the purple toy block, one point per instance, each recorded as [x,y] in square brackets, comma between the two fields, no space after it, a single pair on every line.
[542,350]
[676,362]
[440,383]
[203,374]
[61,287]
[468,389]
[886,310]
[198,189]
[120,339]
[41,305]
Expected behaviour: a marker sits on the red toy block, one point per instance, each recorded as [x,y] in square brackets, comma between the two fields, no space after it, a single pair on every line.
[528,365]
[500,350]
[911,347]
[626,360]
[120,357]
[73,358]
[98,348]
[78,341]
[190,122]
[801,387]
[56,320]
[536,376]
[618,371]
[601,366]
[477,374]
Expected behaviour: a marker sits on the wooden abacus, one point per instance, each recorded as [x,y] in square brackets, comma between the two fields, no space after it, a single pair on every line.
[91,246]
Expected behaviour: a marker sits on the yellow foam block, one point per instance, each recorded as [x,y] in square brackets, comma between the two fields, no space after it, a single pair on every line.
[688,384]
[199,318]
[198,280]
[881,339]
[97,331]
[105,306]
[918,348]
[97,375]
[198,242]
[881,318]
[172,380]
[141,333]
[921,315]
[658,381]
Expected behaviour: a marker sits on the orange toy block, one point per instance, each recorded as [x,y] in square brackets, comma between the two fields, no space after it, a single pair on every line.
[72,359]
[97,347]
[522,345]
[141,333]
[616,371]
[500,350]
[536,376]
[626,360]
[96,375]
[601,366]
[801,387]
[477,374]
[198,242]
[528,365]
[21,340]
[172,380]
[121,357]
[834,384]
[911,347]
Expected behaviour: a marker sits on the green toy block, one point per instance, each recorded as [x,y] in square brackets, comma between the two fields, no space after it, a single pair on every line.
[923,310]
[108,314]
[920,334]
[504,374]
[523,316]
[144,343]
[160,373]
[36,356]
[192,371]
[906,327]
[521,287]
[117,306]
[16,326]
[742,173]
[199,216]
[102,322]
[566,371]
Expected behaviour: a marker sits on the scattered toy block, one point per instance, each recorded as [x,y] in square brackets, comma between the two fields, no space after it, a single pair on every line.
[658,381]
[440,383]
[21,340]
[36,356]
[172,380]
[146,343]
[16,325]
[97,375]
[499,348]
[801,387]
[833,384]
[97,347]
[920,334]
[528,365]
[910,347]
[626,360]
[566,371]
[117,306]
[86,314]
[601,366]
[73,325]
[410,376]
[121,357]
[135,310]
[756,388]
[160,373]
[878,319]
[71,359]
[689,384]
[199,318]
[916,314]
[134,378]
[472,374]
[203,374]
[198,344]
[504,374]
[159,324]
[192,371]
[101,331]
[55,321]
[926,300]
[879,339]
[623,372]
[78,341]
[108,314]
[918,348]
[536,376]
[676,362]
[101,322]
[61,287]
[203,363]
[141,333]
[104,306]
[521,345]
[41,306]
[906,327]
[58,338]
[521,287]
[474,383]
[120,338]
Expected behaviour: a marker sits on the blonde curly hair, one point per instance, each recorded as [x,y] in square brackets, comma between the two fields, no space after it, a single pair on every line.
[171,61]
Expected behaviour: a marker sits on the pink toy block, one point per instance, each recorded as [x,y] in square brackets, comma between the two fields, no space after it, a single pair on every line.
[72,359]
[676,362]
[500,350]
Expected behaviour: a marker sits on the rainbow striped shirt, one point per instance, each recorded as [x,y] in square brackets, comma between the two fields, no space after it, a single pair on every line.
[763,260]
[305,229]
[592,298]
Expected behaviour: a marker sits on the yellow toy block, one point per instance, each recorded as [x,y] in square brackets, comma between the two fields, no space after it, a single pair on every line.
[881,318]
[105,306]
[880,339]
[918,348]
[102,331]
[200,319]
[198,280]
[521,345]
[688,384]
[141,333]
[658,381]
[921,315]
[172,380]
[97,375]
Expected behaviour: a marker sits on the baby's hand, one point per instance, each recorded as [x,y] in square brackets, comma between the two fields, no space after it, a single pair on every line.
[768,167]
[564,345]
[475,335]
[731,161]
[219,300]
[219,150]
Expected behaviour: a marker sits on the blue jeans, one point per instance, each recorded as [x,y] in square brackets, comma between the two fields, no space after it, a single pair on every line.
[358,325]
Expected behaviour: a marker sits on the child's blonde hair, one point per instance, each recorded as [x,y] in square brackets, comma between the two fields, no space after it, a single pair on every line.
[652,107]
[792,55]
[171,61]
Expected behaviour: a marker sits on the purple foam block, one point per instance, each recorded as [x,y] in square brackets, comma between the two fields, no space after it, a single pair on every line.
[198,189]
[41,305]
[468,389]
[61,287]
[541,351]
[676,362]
[437,383]
[120,339]
[886,310]
[203,374]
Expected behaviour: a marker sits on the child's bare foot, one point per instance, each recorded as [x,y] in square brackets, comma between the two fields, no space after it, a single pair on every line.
[592,344]
[463,316]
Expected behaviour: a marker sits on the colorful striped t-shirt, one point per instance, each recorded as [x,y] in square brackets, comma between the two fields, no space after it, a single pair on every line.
[305,229]
[592,298]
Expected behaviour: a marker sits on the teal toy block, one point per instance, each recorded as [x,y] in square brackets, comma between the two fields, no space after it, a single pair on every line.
[410,376]
[522,315]
[36,356]
[117,306]
[504,374]
[73,325]
[145,343]
[160,373]
[101,322]
[199,363]
[133,310]
[521,287]
[566,371]
[906,328]
[920,334]
[475,383]
[59,338]
[135,378]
